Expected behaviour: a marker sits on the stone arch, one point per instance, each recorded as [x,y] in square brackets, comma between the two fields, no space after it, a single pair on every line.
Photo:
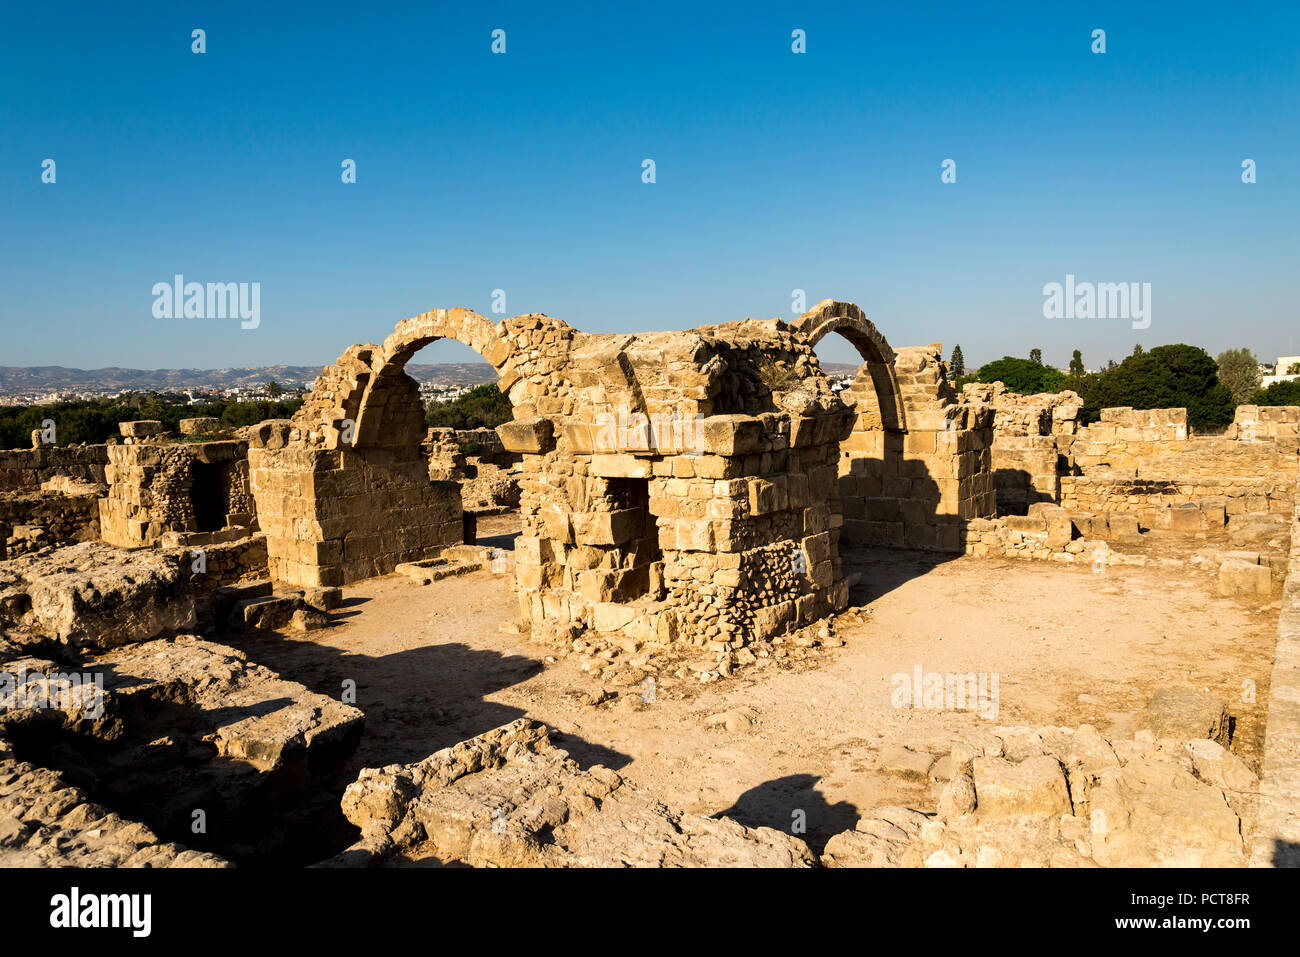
[875,390]
[385,400]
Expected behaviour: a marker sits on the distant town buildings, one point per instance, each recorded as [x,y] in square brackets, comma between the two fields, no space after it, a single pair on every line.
[1281,372]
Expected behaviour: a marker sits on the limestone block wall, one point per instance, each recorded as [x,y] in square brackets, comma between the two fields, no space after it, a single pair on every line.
[1219,499]
[691,494]
[1278,425]
[1032,435]
[1123,437]
[230,563]
[156,486]
[34,520]
[28,469]
[342,515]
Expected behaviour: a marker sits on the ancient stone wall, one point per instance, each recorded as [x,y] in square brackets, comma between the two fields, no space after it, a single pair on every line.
[1279,425]
[27,469]
[35,520]
[226,563]
[1123,437]
[690,495]
[1159,503]
[1032,436]
[157,487]
[1276,840]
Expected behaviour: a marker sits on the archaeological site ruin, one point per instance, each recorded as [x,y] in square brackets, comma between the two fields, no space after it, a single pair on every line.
[694,604]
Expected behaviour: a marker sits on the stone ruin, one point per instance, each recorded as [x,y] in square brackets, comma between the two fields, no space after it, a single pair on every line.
[682,486]
[175,493]
[692,488]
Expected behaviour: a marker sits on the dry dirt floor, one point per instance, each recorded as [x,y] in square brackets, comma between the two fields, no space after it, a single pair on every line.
[433,667]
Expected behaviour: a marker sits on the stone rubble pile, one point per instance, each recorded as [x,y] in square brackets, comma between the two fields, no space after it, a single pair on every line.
[510,798]
[1056,797]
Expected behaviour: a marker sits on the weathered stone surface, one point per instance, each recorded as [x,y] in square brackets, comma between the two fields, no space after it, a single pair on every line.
[1130,803]
[1186,713]
[92,596]
[245,711]
[907,763]
[510,798]
[1238,577]
[1034,787]
[1136,821]
[47,823]
[141,428]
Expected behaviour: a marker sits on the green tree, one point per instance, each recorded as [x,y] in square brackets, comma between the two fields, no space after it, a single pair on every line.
[1036,356]
[483,407]
[1239,371]
[1279,393]
[1076,364]
[957,364]
[1021,375]
[273,389]
[1164,377]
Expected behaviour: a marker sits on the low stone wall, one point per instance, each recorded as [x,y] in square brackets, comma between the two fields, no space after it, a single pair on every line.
[32,520]
[28,469]
[1185,503]
[1261,423]
[1047,533]
[225,564]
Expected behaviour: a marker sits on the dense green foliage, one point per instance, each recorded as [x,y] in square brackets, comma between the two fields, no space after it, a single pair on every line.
[483,407]
[1160,378]
[1279,393]
[1164,377]
[1024,376]
[96,420]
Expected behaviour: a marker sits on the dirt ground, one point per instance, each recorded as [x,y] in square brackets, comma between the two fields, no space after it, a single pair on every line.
[433,667]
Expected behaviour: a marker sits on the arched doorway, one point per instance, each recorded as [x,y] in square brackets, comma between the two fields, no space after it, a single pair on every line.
[343,490]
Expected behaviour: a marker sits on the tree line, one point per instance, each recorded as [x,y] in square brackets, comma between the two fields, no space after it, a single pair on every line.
[1170,376]
[96,420]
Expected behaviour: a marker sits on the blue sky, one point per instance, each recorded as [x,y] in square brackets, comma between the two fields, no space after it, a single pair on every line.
[522,171]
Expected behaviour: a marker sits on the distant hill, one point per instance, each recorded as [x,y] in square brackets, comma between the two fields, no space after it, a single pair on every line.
[18,380]
[28,379]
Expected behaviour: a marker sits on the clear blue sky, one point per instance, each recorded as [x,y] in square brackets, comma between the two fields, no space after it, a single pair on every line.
[522,171]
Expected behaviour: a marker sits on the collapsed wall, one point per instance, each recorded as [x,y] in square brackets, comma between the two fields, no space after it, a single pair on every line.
[488,473]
